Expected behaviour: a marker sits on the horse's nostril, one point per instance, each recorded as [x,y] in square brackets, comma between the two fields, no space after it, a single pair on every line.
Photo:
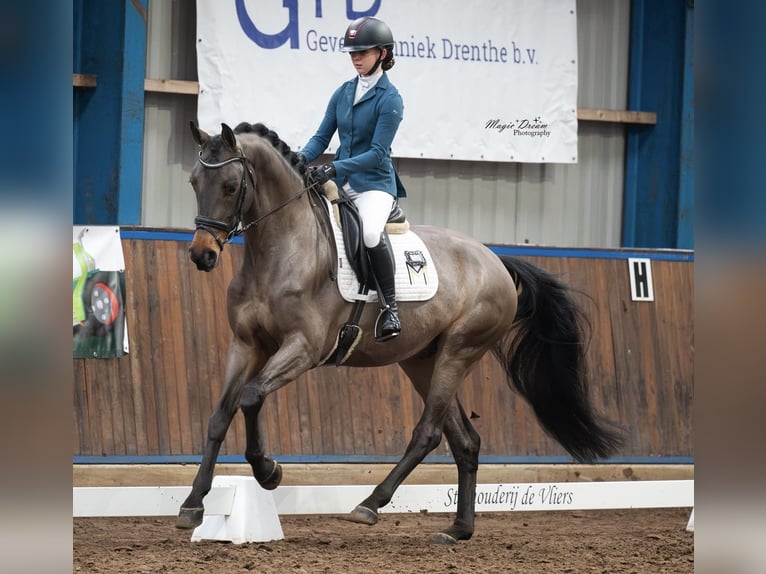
[205,260]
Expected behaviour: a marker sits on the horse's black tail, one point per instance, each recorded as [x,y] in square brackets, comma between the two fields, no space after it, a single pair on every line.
[544,356]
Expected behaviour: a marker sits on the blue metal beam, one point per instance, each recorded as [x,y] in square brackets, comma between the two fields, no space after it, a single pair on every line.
[132,116]
[109,119]
[685,229]
[652,165]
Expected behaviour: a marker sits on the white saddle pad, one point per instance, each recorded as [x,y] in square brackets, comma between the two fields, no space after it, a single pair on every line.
[416,277]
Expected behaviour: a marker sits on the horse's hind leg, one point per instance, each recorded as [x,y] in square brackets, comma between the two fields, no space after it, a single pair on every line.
[463,440]
[465,443]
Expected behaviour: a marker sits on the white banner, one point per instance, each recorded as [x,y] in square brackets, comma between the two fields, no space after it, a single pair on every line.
[492,80]
[340,499]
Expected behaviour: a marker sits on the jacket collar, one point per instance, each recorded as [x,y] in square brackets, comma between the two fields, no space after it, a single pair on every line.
[381,84]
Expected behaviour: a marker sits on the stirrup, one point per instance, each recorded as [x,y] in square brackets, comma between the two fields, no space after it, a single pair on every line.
[381,336]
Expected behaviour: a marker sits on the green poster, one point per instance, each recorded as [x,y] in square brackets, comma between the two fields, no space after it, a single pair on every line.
[98,293]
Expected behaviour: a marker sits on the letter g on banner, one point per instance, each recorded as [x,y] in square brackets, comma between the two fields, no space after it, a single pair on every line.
[271,41]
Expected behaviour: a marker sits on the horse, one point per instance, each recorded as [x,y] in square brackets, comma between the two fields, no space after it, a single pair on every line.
[285,311]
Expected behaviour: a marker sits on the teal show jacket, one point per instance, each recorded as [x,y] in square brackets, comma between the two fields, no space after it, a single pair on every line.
[366,131]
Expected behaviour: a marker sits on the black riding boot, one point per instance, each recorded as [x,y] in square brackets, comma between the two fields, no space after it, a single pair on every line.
[382,262]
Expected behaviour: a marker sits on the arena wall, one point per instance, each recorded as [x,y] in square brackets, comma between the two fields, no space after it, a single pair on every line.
[153,404]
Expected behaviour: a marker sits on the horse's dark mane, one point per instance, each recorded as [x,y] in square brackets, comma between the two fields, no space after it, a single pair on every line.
[297,161]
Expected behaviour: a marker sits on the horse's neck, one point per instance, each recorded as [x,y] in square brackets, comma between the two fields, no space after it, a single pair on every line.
[290,248]
[276,185]
[292,224]
[291,236]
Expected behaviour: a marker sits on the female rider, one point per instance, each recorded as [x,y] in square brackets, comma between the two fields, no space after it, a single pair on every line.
[366,112]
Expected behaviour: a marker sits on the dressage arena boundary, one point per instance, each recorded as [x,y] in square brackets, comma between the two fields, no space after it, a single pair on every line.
[238,510]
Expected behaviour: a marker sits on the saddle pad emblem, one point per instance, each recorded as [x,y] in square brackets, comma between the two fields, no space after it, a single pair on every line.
[416,263]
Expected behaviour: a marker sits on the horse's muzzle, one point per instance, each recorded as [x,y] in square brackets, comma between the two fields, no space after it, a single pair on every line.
[205,258]
[205,249]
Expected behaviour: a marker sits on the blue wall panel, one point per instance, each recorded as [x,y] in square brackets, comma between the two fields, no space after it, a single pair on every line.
[109,118]
[653,156]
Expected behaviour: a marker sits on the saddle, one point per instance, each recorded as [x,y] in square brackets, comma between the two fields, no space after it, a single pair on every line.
[350,222]
[348,219]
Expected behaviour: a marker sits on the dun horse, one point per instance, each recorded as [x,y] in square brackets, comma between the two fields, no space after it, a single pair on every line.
[285,312]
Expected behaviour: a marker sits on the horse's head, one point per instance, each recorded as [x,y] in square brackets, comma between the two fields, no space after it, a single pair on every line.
[220,180]
[243,176]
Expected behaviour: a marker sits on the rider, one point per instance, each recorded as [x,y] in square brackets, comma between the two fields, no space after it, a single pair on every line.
[366,112]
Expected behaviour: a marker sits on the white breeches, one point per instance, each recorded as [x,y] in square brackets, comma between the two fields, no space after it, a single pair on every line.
[374,208]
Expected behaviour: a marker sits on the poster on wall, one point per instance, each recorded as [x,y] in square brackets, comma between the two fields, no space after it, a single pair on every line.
[98,293]
[494,80]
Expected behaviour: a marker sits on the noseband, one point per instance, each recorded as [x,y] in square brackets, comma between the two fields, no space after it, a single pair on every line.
[208,223]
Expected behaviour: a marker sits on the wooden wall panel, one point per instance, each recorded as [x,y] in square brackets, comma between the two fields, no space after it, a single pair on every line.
[157,399]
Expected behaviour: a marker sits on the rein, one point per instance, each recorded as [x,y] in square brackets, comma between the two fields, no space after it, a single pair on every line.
[206,223]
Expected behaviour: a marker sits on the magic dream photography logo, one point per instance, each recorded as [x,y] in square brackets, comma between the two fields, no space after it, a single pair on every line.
[533,128]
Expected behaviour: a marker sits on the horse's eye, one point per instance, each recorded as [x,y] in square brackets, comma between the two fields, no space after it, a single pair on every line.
[230,189]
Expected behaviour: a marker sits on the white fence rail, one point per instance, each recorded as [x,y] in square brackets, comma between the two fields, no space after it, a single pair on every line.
[238,510]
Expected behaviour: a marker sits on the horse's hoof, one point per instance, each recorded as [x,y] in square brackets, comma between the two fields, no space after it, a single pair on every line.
[363,515]
[189,518]
[443,538]
[274,479]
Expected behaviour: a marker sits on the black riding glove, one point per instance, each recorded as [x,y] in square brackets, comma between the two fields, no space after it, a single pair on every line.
[322,174]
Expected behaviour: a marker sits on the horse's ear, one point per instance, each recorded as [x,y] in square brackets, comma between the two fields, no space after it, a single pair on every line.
[227,134]
[200,136]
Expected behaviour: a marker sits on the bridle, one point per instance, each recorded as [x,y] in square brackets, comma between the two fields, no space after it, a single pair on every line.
[202,222]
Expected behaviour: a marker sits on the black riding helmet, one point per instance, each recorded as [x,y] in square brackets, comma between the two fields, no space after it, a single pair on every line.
[365,33]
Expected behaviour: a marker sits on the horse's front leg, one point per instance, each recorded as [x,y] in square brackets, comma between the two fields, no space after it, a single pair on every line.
[287,364]
[266,470]
[239,369]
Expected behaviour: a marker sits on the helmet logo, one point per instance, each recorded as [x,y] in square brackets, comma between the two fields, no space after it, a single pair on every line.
[352,34]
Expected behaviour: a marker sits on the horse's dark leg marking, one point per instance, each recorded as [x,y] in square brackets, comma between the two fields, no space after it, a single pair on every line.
[436,381]
[425,437]
[190,514]
[239,366]
[286,365]
[266,471]
[464,443]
